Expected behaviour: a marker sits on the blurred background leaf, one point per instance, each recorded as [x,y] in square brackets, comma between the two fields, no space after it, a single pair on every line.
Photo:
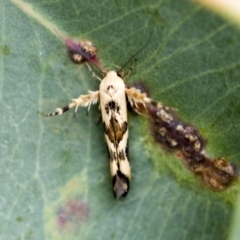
[229,9]
[235,231]
[55,181]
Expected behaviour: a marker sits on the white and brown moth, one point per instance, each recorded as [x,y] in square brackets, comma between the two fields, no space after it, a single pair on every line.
[168,130]
[113,95]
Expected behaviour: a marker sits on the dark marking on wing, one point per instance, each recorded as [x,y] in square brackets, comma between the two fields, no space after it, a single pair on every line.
[120,185]
[121,155]
[112,155]
[126,151]
[112,106]
[109,87]
[115,131]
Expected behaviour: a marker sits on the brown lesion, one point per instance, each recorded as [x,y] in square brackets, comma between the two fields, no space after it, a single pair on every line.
[217,174]
[175,135]
[81,51]
[88,47]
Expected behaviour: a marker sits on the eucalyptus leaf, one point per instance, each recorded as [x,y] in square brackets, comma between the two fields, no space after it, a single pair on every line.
[55,180]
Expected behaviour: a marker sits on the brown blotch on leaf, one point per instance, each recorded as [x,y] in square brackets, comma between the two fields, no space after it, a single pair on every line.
[171,133]
[217,174]
[71,215]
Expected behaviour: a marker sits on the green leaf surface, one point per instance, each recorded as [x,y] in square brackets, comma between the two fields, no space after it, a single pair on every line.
[235,231]
[55,180]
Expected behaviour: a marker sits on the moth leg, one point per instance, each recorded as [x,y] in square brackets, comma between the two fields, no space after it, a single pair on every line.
[93,73]
[137,99]
[83,100]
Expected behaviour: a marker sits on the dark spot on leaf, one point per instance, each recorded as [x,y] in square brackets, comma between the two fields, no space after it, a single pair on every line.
[30,233]
[40,113]
[229,40]
[155,13]
[66,155]
[19,219]
[112,236]
[72,214]
[5,50]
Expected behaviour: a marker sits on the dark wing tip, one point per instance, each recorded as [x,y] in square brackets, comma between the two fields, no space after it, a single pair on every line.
[120,185]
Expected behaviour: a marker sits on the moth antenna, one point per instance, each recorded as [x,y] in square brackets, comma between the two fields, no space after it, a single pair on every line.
[131,68]
[81,52]
[116,66]
[93,73]
[135,54]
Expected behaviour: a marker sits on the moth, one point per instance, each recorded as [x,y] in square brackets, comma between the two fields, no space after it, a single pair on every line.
[169,131]
[113,95]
